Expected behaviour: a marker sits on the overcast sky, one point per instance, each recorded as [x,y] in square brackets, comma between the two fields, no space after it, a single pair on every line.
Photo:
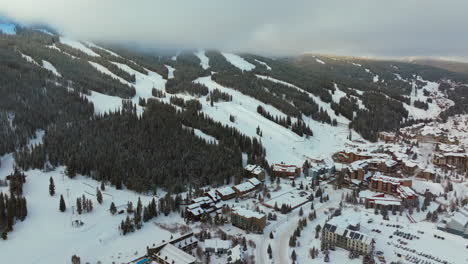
[394,28]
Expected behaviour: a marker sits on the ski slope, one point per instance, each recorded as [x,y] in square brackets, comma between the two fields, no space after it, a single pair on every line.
[47,65]
[238,61]
[204,60]
[264,64]
[78,45]
[282,145]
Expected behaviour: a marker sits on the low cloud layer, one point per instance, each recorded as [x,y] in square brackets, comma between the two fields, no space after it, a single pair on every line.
[361,27]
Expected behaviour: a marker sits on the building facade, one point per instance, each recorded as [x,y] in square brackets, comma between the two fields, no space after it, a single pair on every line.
[347,239]
[248,220]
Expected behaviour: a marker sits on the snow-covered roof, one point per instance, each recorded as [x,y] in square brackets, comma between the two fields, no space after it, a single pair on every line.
[254,181]
[244,187]
[284,168]
[213,195]
[348,233]
[250,167]
[235,254]
[217,244]
[226,191]
[257,171]
[380,177]
[405,191]
[172,254]
[247,213]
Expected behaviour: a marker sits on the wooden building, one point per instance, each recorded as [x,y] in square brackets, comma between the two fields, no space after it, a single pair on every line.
[175,251]
[285,171]
[399,187]
[348,239]
[254,171]
[248,220]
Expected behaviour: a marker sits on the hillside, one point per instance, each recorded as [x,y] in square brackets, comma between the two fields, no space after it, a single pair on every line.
[139,125]
[453,66]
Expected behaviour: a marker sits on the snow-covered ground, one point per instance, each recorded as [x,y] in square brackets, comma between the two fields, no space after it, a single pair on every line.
[325,106]
[48,234]
[264,64]
[204,60]
[238,61]
[104,70]
[50,67]
[92,45]
[170,74]
[78,45]
[29,59]
[282,145]
[439,101]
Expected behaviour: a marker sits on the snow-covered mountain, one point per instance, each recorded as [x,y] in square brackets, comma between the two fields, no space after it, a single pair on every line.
[255,108]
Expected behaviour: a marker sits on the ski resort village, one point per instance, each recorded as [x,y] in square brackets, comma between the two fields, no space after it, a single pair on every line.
[216,157]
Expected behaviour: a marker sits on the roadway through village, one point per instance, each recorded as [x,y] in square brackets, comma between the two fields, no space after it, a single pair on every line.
[284,228]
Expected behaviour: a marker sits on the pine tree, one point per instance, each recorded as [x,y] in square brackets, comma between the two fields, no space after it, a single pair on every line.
[62,205]
[51,187]
[293,256]
[269,251]
[79,208]
[103,187]
[113,209]
[99,196]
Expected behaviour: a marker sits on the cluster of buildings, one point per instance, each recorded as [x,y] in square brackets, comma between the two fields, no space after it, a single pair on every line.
[174,251]
[382,170]
[450,156]
[212,200]
[285,171]
[348,239]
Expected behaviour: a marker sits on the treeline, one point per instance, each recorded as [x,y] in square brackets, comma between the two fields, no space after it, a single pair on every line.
[299,127]
[13,208]
[421,104]
[173,86]
[216,95]
[156,153]
[346,107]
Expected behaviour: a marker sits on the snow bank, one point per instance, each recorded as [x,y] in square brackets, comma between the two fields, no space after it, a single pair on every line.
[238,61]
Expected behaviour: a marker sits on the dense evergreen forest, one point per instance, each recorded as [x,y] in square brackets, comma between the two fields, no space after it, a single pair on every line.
[146,152]
[30,100]
[124,148]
